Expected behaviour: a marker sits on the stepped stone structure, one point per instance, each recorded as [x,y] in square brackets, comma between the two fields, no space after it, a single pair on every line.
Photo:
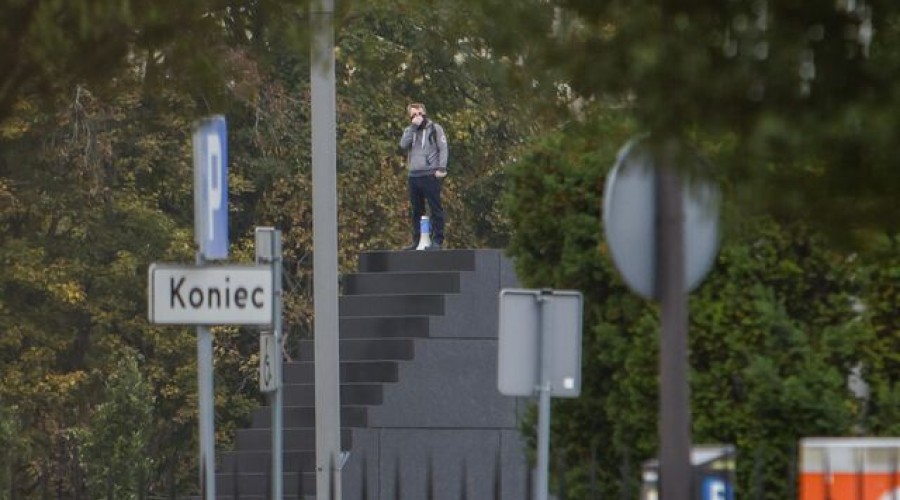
[420,411]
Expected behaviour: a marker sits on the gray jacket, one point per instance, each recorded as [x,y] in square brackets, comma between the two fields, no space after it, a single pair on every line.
[426,148]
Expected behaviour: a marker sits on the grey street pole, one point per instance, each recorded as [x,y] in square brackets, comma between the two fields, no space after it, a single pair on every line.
[269,252]
[674,396]
[206,415]
[325,256]
[277,398]
[543,461]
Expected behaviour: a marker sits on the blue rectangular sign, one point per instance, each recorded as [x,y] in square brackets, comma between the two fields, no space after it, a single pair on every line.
[717,488]
[211,187]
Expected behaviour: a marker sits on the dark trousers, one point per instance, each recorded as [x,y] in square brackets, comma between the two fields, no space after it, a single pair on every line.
[422,189]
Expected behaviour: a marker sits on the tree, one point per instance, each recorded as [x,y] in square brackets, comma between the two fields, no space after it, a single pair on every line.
[879,365]
[117,439]
[803,90]
[53,46]
[81,219]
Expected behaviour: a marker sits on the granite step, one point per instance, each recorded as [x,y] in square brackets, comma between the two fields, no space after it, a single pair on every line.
[259,461]
[293,483]
[305,416]
[303,439]
[357,371]
[352,394]
[401,283]
[365,350]
[393,261]
[384,327]
[391,305]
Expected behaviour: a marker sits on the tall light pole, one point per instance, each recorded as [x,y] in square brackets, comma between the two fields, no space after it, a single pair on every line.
[325,260]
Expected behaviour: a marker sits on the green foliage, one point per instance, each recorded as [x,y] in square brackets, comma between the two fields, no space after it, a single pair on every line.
[116,441]
[805,90]
[53,45]
[773,339]
[11,443]
[881,362]
[85,211]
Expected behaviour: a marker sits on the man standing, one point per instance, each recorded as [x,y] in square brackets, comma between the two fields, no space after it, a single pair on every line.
[426,159]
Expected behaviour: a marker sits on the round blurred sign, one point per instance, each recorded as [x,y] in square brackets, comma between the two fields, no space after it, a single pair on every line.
[629,221]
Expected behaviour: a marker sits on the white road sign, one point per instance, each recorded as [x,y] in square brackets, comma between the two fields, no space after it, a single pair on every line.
[268,352]
[214,295]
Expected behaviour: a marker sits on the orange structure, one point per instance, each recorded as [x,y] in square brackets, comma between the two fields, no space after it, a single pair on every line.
[850,469]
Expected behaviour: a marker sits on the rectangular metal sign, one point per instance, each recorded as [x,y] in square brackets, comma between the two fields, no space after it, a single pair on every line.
[268,356]
[265,243]
[211,188]
[525,317]
[214,295]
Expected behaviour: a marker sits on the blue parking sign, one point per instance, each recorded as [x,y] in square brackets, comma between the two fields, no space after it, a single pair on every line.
[716,488]
[211,187]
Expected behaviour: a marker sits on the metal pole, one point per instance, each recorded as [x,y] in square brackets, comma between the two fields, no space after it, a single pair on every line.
[207,410]
[338,471]
[674,396]
[325,265]
[543,462]
[278,395]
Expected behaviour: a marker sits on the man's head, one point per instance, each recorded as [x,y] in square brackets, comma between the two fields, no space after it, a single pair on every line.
[415,108]
[416,112]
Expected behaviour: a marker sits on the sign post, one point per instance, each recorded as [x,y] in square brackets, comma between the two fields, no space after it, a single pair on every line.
[205,397]
[268,251]
[539,350]
[211,232]
[663,236]
[206,295]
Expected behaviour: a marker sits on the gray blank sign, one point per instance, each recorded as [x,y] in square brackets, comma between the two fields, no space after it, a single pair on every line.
[630,219]
[521,329]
